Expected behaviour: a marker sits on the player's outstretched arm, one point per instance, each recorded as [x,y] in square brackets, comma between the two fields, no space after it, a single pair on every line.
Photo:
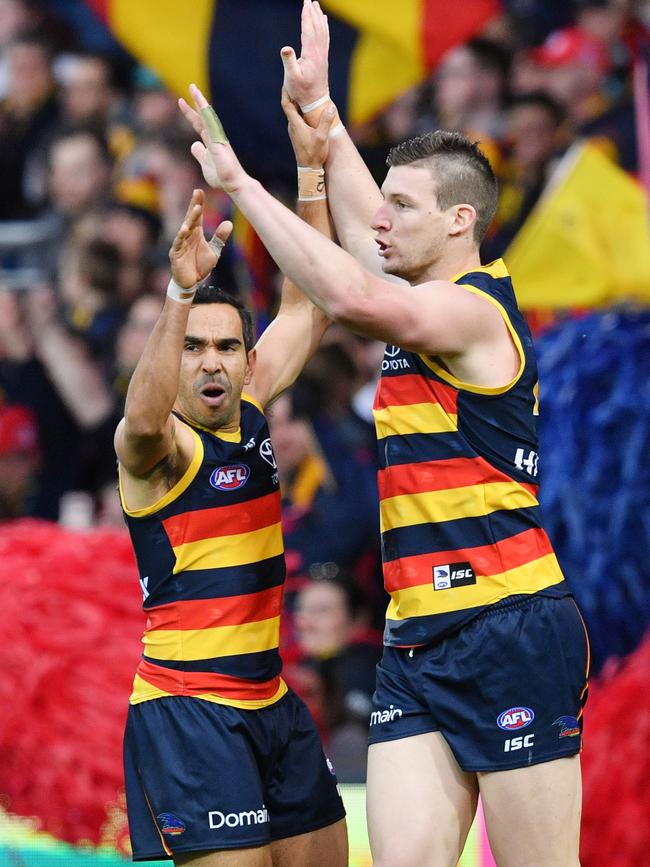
[353,194]
[434,318]
[147,434]
[295,333]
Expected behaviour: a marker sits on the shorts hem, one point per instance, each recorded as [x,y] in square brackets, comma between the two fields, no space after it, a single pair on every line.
[398,737]
[199,849]
[512,766]
[324,823]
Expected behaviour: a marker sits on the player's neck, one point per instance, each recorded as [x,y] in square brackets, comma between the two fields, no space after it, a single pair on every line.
[450,265]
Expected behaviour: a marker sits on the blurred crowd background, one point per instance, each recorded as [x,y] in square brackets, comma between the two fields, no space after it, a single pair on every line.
[95,177]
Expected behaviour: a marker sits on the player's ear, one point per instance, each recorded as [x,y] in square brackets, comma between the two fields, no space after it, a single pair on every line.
[463,219]
[250,365]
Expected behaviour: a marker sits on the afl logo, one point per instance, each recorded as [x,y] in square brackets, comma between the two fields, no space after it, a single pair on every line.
[392,350]
[515,718]
[266,453]
[230,478]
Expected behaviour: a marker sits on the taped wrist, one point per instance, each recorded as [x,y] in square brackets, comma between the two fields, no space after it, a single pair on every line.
[311,184]
[180,293]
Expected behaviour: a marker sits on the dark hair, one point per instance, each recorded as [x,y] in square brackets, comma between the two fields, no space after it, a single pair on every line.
[464,173]
[331,574]
[489,55]
[212,295]
[73,131]
[542,100]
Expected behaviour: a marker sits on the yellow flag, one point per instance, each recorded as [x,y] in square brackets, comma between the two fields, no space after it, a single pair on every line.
[587,241]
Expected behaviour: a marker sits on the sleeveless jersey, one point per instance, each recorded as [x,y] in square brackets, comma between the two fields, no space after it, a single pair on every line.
[461,525]
[210,554]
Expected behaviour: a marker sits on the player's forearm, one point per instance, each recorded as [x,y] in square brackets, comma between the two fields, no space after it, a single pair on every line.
[328,275]
[315,214]
[154,385]
[354,197]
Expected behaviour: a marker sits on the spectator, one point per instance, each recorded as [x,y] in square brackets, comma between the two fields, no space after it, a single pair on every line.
[332,623]
[536,135]
[329,509]
[28,116]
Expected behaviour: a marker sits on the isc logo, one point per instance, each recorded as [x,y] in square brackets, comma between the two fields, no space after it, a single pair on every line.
[515,718]
[230,478]
[513,744]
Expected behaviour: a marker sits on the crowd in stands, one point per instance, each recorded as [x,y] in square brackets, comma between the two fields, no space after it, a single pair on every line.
[95,177]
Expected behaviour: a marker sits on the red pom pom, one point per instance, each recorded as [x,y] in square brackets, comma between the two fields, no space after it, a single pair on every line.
[70,620]
[616,765]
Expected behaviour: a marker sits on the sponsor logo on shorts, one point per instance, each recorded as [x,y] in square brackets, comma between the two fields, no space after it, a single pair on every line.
[170,824]
[230,478]
[569,726]
[518,743]
[217,819]
[515,718]
[384,716]
[453,575]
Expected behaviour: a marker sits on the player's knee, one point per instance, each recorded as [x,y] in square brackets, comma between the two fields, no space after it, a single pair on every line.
[402,855]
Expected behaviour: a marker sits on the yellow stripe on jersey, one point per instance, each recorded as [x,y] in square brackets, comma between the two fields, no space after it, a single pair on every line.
[422,418]
[451,504]
[184,645]
[221,552]
[423,600]
[143,691]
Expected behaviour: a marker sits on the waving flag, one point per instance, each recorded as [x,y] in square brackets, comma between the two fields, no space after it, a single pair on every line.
[587,241]
[230,48]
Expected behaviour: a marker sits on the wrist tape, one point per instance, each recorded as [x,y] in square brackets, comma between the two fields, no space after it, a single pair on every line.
[315,104]
[311,184]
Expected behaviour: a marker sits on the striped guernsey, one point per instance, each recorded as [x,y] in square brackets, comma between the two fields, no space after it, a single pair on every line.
[461,525]
[211,560]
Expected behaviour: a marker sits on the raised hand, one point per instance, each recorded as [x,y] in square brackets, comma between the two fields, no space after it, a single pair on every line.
[310,145]
[306,78]
[192,257]
[219,164]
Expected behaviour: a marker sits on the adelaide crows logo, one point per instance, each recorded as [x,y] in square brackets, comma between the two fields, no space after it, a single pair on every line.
[170,824]
[569,726]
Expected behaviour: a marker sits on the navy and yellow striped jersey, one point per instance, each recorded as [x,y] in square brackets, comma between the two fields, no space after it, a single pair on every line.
[461,525]
[210,554]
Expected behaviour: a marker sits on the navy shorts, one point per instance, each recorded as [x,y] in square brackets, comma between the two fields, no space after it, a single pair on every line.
[204,776]
[505,691]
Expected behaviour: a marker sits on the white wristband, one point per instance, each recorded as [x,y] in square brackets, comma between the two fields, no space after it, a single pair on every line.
[179,293]
[315,104]
[337,130]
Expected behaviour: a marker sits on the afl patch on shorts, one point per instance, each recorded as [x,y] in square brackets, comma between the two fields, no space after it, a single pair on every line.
[505,691]
[202,776]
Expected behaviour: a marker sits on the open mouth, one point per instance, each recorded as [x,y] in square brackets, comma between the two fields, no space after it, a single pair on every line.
[383,247]
[212,394]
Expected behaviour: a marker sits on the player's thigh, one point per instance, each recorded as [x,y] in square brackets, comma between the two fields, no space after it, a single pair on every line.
[259,856]
[420,802]
[532,814]
[326,847]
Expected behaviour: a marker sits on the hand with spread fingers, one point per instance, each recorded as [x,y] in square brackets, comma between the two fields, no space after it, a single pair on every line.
[310,144]
[191,255]
[221,168]
[306,78]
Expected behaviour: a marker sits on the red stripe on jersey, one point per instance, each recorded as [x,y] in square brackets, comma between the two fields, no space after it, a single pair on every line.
[208,613]
[414,388]
[223,520]
[197,682]
[485,560]
[418,478]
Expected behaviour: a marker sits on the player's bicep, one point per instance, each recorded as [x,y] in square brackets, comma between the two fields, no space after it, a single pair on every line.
[139,451]
[434,318]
